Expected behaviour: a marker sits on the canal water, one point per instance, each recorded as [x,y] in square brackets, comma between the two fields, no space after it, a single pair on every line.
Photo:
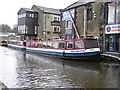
[20,70]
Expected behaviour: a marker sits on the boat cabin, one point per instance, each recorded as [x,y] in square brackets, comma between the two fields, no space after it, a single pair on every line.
[65,44]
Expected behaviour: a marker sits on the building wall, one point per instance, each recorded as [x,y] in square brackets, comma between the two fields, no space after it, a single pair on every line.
[47,26]
[27,24]
[62,34]
[92,26]
[45,30]
[40,24]
[80,19]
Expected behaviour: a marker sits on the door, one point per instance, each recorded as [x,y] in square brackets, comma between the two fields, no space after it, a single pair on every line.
[111,42]
[117,42]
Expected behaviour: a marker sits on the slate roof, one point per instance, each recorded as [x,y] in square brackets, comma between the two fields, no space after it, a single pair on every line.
[28,9]
[83,2]
[47,10]
[79,3]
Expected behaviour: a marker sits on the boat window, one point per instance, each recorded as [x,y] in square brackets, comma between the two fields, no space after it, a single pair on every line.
[79,44]
[49,44]
[70,45]
[55,44]
[44,44]
[62,45]
[27,44]
[40,44]
[91,43]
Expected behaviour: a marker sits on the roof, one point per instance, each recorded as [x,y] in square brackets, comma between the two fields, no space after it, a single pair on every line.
[79,3]
[6,34]
[26,9]
[47,10]
[83,2]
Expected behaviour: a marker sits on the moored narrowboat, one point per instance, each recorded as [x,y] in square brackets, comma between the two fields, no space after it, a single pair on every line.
[17,44]
[65,49]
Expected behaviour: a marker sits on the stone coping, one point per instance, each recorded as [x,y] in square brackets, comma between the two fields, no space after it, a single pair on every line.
[112,55]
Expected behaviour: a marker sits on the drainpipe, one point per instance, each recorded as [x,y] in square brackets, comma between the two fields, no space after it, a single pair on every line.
[105,23]
[85,19]
[115,4]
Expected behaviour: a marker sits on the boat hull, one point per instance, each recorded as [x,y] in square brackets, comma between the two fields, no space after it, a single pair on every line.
[62,54]
[23,48]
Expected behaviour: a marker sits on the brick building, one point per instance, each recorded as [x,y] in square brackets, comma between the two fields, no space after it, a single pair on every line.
[27,23]
[48,21]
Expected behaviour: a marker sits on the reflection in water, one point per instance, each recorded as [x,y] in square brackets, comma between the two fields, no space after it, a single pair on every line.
[35,71]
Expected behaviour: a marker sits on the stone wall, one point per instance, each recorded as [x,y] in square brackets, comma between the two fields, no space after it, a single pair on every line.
[92,26]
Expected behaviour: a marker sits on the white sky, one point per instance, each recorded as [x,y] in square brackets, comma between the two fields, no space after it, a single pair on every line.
[9,8]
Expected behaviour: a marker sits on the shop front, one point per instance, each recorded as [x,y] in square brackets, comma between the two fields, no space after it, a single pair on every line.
[112,41]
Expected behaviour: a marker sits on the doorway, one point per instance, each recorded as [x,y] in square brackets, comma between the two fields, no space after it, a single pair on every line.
[118,42]
[109,42]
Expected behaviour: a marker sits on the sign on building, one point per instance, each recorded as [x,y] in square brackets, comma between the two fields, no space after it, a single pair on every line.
[112,29]
[66,15]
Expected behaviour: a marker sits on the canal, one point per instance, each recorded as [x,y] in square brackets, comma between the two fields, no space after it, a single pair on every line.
[20,70]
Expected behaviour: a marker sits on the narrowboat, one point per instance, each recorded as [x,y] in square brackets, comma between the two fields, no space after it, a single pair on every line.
[17,44]
[65,49]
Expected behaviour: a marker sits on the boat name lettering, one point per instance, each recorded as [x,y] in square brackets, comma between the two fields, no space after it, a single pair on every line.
[77,51]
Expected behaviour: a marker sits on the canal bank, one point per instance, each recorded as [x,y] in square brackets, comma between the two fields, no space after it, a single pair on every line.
[113,55]
[2,86]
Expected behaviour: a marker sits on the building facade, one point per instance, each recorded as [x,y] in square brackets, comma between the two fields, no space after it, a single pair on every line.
[112,27]
[8,37]
[27,23]
[98,19]
[86,19]
[49,22]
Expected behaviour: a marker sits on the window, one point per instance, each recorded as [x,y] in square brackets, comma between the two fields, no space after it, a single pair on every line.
[56,28]
[35,29]
[70,45]
[32,15]
[56,18]
[62,45]
[111,14]
[79,44]
[19,16]
[118,13]
[55,44]
[26,29]
[91,43]
[21,29]
[36,15]
[89,13]
[69,24]
[22,15]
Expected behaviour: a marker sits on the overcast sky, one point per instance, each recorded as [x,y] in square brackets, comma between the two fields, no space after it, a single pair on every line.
[9,8]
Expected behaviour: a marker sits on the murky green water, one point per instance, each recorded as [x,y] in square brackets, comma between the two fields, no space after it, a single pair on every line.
[34,71]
